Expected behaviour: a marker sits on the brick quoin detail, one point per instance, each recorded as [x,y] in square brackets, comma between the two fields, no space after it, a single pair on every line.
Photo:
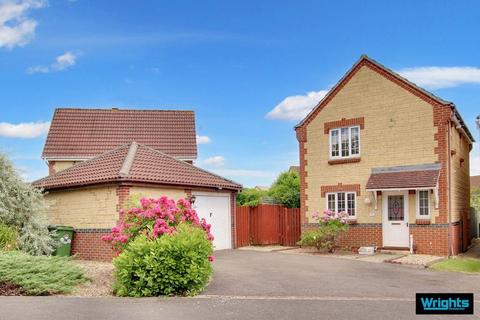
[340,187]
[88,245]
[51,167]
[441,118]
[302,138]
[123,193]
[343,123]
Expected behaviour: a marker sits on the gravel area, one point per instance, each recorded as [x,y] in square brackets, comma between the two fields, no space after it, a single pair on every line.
[101,276]
[421,260]
[342,254]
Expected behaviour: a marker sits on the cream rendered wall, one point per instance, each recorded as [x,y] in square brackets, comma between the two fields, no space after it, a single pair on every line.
[84,208]
[398,131]
[62,165]
[151,192]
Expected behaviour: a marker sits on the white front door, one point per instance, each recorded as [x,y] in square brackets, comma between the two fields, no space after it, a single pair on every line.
[215,209]
[395,219]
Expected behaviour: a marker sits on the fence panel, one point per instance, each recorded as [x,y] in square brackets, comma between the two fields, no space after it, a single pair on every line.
[242,226]
[267,224]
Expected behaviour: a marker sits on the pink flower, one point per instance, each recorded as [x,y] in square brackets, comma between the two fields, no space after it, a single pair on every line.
[210,258]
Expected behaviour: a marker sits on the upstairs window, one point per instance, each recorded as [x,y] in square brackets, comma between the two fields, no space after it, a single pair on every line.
[342,202]
[345,142]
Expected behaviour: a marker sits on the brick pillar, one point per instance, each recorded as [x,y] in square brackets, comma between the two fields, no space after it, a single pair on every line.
[51,167]
[123,193]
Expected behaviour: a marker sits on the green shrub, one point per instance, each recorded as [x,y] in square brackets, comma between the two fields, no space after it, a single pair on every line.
[23,206]
[174,264]
[40,275]
[325,236]
[8,237]
[250,197]
[286,189]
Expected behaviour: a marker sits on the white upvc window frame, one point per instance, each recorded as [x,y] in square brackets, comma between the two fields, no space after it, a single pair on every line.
[335,194]
[339,130]
[418,215]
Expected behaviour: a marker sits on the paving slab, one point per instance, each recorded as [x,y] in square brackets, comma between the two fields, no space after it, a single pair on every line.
[266,248]
[420,260]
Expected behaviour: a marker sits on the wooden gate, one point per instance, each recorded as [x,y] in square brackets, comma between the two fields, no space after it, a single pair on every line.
[267,224]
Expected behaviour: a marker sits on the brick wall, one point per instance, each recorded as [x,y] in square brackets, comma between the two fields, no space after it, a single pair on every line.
[88,245]
[428,239]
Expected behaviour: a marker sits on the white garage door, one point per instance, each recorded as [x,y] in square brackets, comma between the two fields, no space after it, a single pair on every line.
[215,208]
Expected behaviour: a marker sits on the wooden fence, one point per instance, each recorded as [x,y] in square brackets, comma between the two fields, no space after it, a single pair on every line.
[267,224]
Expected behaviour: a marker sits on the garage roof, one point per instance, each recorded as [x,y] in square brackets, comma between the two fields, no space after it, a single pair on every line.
[135,163]
[85,133]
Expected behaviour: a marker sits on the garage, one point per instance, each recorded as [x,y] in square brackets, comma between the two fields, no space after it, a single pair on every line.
[215,209]
[87,195]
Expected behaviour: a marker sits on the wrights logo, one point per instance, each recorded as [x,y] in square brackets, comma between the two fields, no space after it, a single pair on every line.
[444,303]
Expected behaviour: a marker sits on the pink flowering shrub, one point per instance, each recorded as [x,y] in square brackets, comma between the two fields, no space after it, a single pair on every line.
[162,249]
[153,218]
[325,236]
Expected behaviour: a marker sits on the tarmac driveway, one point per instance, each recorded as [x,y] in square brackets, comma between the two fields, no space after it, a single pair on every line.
[269,285]
[250,273]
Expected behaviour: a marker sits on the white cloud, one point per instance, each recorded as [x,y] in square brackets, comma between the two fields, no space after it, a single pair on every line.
[245,173]
[217,161]
[441,77]
[296,107]
[202,139]
[62,62]
[24,129]
[16,29]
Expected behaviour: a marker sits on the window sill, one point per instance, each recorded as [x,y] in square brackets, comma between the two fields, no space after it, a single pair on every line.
[423,221]
[342,161]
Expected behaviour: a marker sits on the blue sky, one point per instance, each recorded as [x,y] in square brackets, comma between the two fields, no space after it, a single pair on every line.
[231,62]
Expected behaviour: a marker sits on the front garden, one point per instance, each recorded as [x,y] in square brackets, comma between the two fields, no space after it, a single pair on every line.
[161,248]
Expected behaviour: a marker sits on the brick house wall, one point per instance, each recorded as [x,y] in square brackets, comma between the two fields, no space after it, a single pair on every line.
[398,127]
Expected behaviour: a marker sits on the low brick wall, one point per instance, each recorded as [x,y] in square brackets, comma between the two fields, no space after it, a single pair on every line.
[428,238]
[88,245]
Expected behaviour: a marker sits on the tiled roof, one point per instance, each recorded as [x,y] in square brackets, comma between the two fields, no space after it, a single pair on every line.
[135,163]
[475,181]
[365,60]
[404,177]
[85,133]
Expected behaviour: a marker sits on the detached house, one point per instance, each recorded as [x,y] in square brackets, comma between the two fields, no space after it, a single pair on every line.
[99,158]
[393,156]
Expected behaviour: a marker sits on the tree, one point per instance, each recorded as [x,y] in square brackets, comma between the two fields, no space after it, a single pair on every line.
[475,198]
[23,206]
[250,197]
[286,189]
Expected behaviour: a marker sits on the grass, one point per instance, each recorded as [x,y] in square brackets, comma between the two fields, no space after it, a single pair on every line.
[458,265]
[40,275]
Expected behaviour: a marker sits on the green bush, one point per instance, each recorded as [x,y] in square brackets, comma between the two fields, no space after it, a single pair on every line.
[286,189]
[23,207]
[40,275]
[325,236]
[250,197]
[174,264]
[8,237]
